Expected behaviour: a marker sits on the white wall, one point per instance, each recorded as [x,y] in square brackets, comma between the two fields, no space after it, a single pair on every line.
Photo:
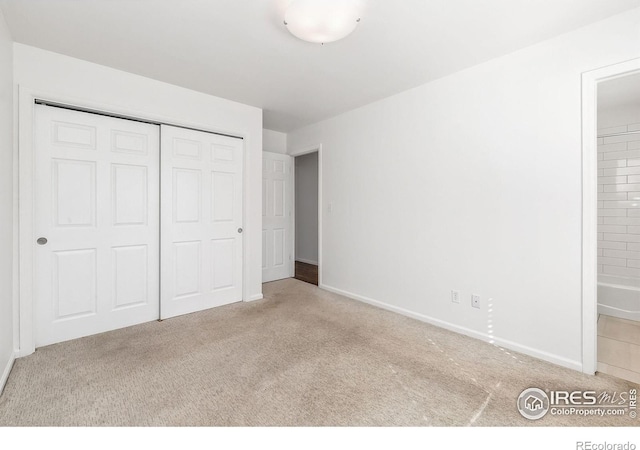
[6,201]
[274,141]
[471,182]
[87,84]
[306,195]
[621,115]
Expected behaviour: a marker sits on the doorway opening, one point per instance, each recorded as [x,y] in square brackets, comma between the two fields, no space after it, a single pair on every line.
[292,215]
[618,236]
[590,82]
[306,190]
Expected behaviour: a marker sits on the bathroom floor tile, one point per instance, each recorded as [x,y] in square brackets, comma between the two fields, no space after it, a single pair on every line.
[619,329]
[619,354]
[619,372]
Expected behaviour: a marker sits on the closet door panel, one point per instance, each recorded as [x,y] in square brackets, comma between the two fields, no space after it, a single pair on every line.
[201,220]
[97,222]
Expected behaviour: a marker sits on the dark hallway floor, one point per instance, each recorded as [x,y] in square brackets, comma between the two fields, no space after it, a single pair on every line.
[307,272]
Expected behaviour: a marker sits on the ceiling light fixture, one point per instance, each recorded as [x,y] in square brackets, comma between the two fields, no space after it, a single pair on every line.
[322,21]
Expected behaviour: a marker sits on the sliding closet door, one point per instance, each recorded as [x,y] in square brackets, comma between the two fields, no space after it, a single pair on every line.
[96,222]
[201,243]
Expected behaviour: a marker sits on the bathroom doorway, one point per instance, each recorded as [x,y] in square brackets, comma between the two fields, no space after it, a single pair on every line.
[618,227]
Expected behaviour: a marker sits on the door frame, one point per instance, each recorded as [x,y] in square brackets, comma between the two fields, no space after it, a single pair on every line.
[24,331]
[301,152]
[590,82]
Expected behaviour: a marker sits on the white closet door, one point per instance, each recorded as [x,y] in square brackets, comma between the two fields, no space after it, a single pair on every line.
[201,220]
[277,199]
[97,217]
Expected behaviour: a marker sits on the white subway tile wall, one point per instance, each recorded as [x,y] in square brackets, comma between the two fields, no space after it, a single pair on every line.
[619,201]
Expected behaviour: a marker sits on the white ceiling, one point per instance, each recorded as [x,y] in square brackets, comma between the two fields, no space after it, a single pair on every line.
[619,92]
[240,50]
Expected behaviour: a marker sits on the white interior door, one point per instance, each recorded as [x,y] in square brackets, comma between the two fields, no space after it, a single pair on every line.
[277,220]
[97,220]
[201,220]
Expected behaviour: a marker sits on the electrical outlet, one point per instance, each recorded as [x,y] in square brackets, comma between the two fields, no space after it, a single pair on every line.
[455,296]
[475,301]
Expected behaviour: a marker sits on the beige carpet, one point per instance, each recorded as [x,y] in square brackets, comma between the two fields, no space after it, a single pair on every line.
[302,356]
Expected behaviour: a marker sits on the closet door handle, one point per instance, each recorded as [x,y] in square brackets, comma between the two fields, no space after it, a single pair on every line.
[240,230]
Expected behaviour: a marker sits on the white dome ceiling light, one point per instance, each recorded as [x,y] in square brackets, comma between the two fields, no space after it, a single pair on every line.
[322,21]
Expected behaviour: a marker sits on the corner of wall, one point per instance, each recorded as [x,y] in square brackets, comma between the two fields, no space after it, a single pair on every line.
[7,199]
[274,141]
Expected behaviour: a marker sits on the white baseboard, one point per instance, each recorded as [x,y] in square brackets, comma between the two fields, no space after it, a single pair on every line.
[6,372]
[504,343]
[255,297]
[307,261]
